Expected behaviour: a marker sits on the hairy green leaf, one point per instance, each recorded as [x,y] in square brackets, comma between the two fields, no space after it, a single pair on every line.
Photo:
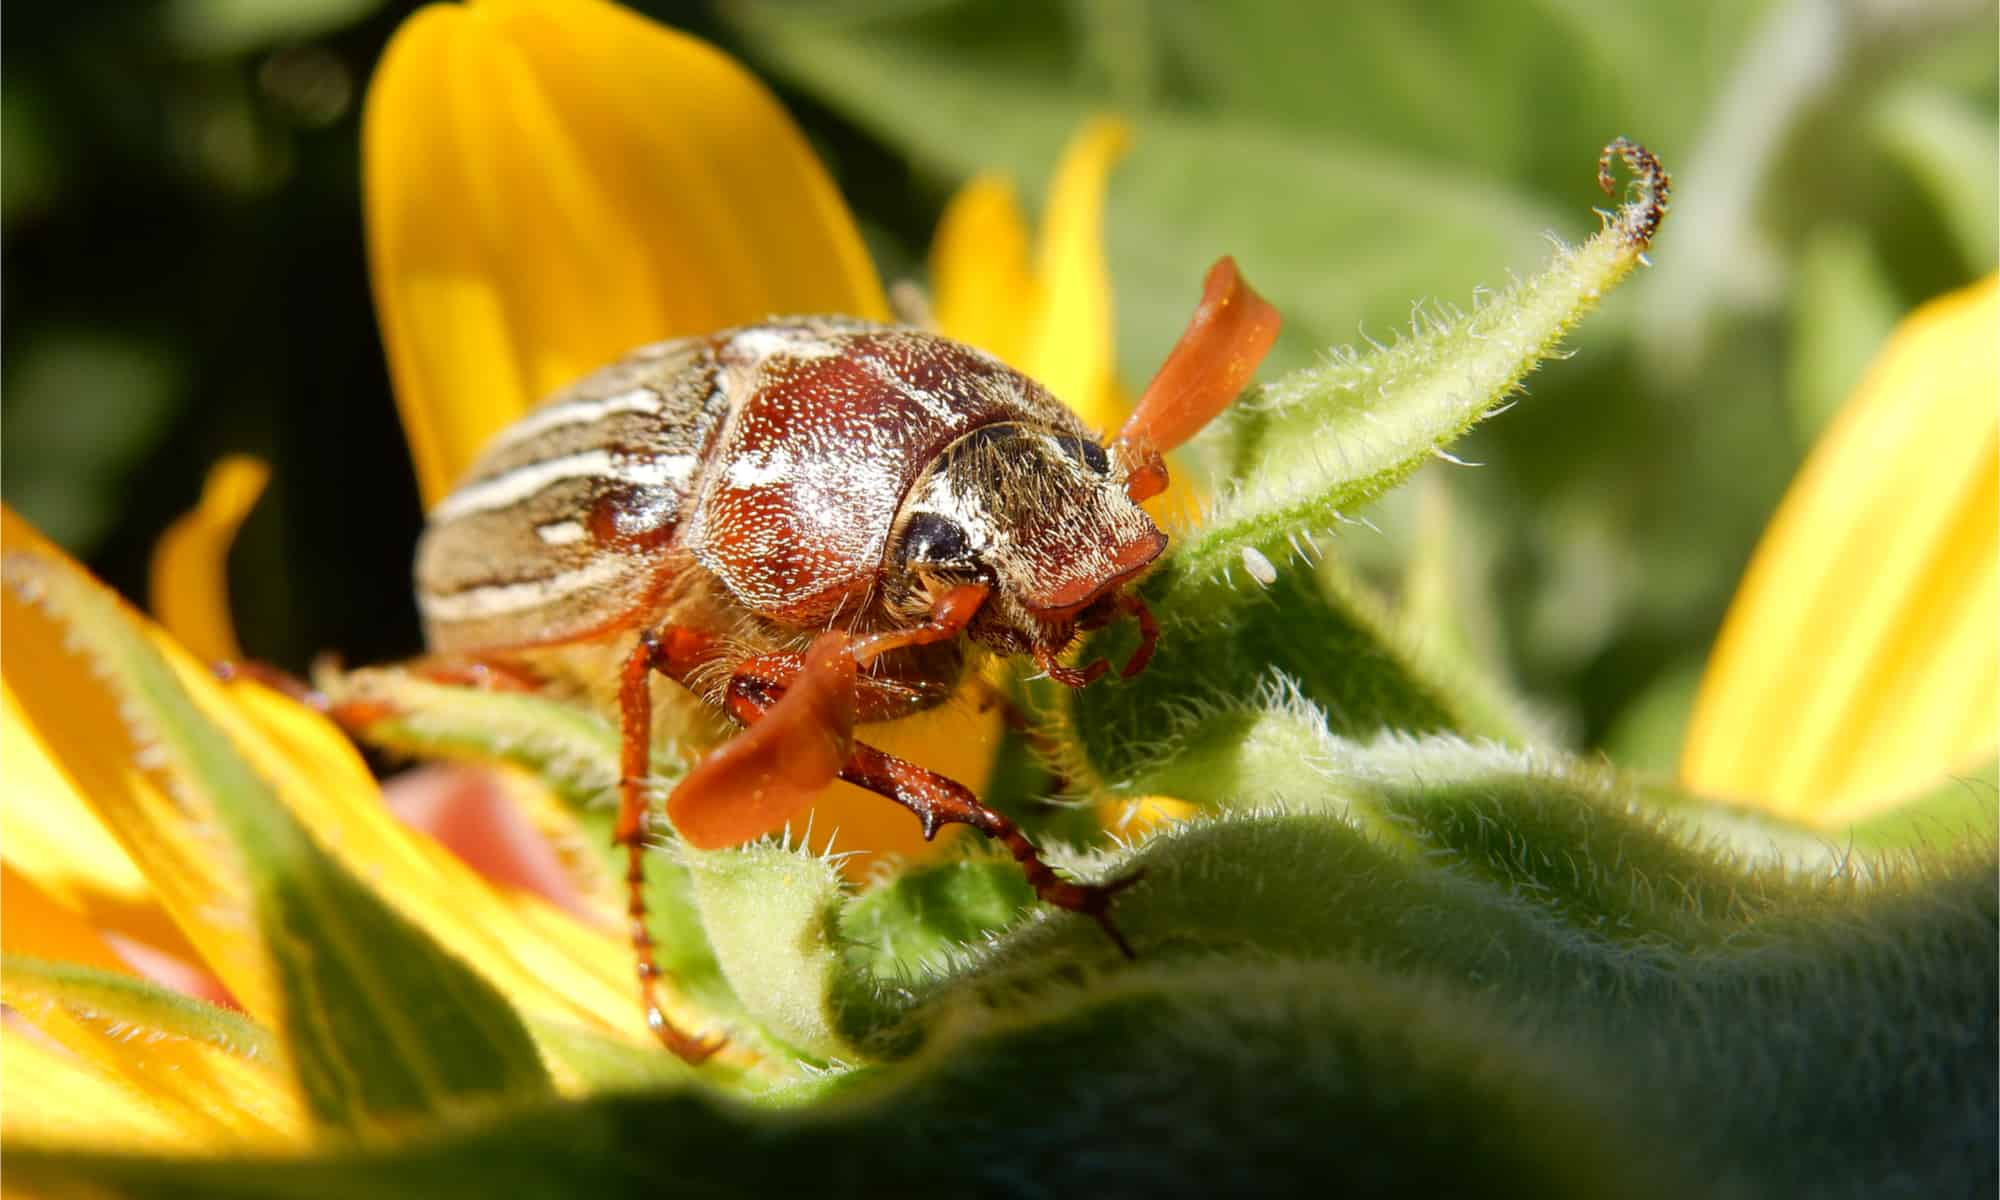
[1239,596]
[1316,1003]
[139,1008]
[570,747]
[1172,1082]
[1323,441]
[772,917]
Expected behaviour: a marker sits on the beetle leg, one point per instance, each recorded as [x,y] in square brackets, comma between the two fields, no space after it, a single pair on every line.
[1149,635]
[485,674]
[761,695]
[799,713]
[938,801]
[277,679]
[1069,677]
[635,712]
[950,614]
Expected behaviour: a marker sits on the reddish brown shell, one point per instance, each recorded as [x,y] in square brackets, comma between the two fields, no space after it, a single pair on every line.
[806,477]
[774,456]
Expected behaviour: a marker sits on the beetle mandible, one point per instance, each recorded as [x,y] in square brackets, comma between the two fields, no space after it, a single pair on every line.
[808,524]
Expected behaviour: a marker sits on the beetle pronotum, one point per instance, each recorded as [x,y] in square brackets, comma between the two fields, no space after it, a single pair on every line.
[808,524]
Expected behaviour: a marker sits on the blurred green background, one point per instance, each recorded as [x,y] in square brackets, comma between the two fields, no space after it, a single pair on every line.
[184,274]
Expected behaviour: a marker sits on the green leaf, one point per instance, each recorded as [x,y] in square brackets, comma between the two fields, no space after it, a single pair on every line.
[211,28]
[1846,308]
[1318,442]
[135,1006]
[84,405]
[1951,149]
[933,85]
[1314,1003]
[1314,143]
[911,924]
[605,1063]
[1313,632]
[1238,597]
[772,916]
[571,748]
[1957,810]
[379,1023]
[1174,1082]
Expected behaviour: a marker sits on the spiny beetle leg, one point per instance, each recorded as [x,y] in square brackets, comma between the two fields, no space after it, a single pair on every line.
[1149,634]
[1069,677]
[939,801]
[799,712]
[759,690]
[635,713]
[950,614]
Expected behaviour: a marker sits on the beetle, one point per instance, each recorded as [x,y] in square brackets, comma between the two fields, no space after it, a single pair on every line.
[808,524]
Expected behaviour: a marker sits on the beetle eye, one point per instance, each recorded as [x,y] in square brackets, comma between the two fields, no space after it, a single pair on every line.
[1091,453]
[931,538]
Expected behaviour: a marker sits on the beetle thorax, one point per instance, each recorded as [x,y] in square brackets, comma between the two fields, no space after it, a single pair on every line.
[1034,513]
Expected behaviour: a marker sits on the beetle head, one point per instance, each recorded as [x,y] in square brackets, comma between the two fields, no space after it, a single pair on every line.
[1049,521]
[1039,516]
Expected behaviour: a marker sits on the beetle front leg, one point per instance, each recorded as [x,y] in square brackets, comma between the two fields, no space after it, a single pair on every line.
[938,801]
[935,799]
[635,748]
[797,734]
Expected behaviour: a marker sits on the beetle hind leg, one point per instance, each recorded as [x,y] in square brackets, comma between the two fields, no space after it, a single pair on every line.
[635,712]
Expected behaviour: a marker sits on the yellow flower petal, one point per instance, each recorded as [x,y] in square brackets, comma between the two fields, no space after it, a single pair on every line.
[76,1103]
[1860,660]
[549,185]
[551,965]
[34,922]
[1070,344]
[1143,814]
[983,292]
[1054,321]
[47,835]
[190,577]
[214,1098]
[63,708]
[552,968]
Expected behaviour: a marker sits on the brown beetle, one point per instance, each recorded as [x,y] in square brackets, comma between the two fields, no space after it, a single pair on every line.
[806,523]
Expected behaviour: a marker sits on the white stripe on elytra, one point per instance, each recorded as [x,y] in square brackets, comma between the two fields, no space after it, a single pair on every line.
[499,599]
[764,342]
[578,412]
[668,470]
[560,533]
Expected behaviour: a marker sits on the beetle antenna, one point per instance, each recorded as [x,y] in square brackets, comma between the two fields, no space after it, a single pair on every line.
[1231,331]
